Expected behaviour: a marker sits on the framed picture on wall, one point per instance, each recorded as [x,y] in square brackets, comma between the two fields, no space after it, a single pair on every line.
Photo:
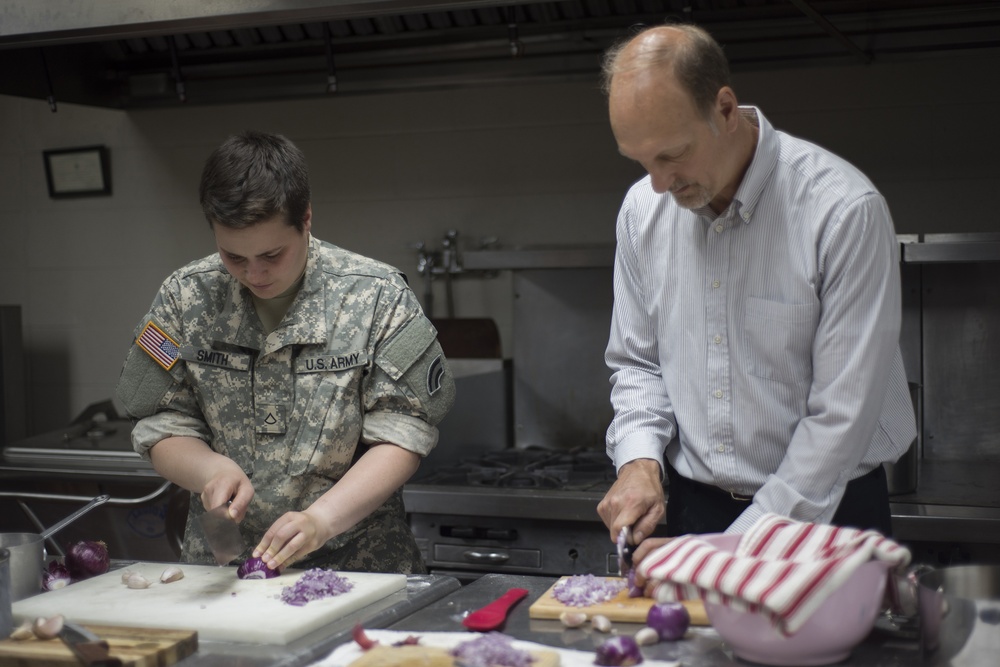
[78,172]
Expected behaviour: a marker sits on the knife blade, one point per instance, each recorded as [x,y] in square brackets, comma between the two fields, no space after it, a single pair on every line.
[222,534]
[88,648]
[624,552]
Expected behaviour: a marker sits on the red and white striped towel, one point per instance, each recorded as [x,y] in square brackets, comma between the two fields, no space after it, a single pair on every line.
[781,568]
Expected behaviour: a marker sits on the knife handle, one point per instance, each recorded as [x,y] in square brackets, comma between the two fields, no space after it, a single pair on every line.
[95,654]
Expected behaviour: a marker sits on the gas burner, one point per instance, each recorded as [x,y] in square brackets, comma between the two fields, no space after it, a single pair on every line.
[531,468]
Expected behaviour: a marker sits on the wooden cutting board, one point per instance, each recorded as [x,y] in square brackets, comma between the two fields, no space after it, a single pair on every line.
[135,647]
[622,608]
[209,599]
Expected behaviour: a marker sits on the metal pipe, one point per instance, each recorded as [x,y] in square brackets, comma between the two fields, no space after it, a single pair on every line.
[832,30]
[181,95]
[331,70]
[48,81]
[163,488]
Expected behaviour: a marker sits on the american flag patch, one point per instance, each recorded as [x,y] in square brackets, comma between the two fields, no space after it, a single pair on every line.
[158,345]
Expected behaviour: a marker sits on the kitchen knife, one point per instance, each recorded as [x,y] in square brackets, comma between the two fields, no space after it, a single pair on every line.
[222,534]
[624,552]
[88,648]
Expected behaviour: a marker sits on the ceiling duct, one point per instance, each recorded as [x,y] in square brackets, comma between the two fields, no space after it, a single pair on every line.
[135,53]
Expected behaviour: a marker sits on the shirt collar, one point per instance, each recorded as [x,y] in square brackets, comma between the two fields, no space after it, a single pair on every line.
[238,324]
[761,167]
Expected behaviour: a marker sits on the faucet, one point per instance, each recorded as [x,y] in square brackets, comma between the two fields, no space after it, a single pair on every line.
[445,263]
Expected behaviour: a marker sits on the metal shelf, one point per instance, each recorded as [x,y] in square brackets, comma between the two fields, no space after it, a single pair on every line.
[950,248]
[541,257]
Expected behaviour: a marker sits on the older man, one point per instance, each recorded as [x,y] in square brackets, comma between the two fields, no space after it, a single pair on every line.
[755,337]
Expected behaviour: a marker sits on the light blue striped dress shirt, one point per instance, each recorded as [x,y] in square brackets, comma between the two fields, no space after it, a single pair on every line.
[758,350]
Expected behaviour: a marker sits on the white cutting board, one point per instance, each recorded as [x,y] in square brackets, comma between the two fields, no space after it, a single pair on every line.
[209,599]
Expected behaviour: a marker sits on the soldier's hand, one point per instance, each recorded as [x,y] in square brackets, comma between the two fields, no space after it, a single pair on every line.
[292,537]
[228,484]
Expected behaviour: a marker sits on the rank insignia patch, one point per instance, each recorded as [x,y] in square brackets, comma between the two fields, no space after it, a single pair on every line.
[159,345]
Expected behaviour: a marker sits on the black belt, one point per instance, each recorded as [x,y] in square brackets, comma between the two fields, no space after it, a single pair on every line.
[678,481]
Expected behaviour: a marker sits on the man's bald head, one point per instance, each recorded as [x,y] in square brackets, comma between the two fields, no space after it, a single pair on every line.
[685,52]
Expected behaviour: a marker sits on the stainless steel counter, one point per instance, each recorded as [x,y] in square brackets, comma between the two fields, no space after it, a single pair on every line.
[703,648]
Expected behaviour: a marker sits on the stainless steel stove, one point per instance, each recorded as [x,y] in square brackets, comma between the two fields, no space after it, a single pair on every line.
[527,511]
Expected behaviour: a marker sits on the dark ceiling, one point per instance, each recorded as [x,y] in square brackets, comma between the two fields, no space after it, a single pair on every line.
[341,48]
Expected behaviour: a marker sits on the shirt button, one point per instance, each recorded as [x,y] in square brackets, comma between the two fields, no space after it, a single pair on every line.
[721,448]
[718,229]
[717,340]
[717,393]
[716,284]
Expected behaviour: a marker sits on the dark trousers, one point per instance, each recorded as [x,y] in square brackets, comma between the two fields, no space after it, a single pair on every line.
[693,507]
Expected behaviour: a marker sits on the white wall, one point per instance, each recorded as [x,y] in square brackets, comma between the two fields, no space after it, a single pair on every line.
[532,164]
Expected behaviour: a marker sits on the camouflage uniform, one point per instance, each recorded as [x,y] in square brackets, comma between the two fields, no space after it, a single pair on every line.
[354,362]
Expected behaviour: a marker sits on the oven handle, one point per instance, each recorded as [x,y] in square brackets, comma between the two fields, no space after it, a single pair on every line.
[490,558]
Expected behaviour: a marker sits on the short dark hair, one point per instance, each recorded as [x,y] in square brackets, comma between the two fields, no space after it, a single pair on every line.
[252,177]
[699,63]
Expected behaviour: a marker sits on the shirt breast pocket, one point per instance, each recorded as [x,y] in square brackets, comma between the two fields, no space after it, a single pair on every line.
[329,418]
[779,339]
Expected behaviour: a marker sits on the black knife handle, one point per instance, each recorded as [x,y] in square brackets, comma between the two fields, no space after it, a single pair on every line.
[95,654]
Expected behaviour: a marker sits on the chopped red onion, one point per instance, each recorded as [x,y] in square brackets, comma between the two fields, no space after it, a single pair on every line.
[583,590]
[634,591]
[492,649]
[315,584]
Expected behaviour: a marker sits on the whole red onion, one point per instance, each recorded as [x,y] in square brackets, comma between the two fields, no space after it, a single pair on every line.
[254,568]
[87,559]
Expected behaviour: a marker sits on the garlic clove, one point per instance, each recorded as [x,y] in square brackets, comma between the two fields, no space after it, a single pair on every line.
[573,619]
[125,575]
[23,631]
[48,628]
[601,623]
[136,580]
[647,636]
[171,574]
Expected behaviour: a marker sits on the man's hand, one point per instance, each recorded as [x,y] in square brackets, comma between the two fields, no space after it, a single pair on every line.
[292,537]
[643,550]
[635,499]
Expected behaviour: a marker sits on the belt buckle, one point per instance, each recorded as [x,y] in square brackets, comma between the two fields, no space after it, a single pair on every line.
[742,499]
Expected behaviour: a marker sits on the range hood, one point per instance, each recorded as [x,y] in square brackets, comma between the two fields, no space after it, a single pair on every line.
[137,53]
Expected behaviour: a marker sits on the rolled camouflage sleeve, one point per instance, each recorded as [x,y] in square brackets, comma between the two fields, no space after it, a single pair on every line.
[159,399]
[410,388]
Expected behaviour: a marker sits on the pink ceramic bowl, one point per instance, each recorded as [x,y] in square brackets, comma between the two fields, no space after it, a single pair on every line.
[837,626]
